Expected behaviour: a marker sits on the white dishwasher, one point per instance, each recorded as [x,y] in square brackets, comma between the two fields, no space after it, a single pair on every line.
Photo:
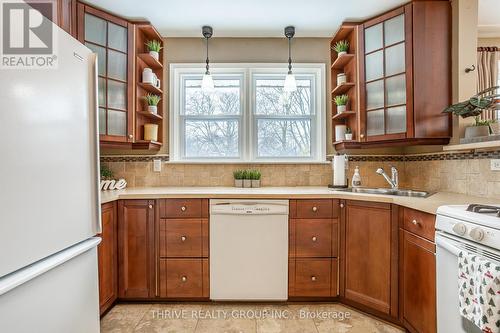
[249,250]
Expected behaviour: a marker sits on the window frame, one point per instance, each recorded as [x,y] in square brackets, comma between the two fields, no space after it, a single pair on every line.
[248,124]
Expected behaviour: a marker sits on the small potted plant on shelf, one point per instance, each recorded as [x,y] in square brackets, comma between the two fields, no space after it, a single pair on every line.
[247,181]
[341,47]
[341,102]
[154,47]
[479,128]
[238,178]
[348,133]
[255,176]
[152,101]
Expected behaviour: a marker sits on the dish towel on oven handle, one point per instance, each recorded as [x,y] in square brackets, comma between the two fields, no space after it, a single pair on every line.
[479,291]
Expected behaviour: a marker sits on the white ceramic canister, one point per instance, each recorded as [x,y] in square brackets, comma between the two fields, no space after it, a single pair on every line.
[340,132]
[148,76]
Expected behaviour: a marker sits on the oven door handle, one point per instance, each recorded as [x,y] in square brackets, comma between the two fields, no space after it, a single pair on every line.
[447,244]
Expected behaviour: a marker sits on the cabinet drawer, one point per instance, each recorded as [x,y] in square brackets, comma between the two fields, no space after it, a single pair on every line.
[183,208]
[419,223]
[183,278]
[313,237]
[315,208]
[183,238]
[313,277]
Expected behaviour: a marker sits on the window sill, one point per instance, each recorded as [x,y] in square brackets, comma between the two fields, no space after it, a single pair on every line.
[246,162]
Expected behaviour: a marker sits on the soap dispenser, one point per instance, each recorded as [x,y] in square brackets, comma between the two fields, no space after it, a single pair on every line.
[356,178]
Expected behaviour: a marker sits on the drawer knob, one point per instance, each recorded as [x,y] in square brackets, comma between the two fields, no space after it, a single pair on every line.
[150,206]
[183,238]
[341,205]
[314,238]
[313,278]
[183,208]
[184,278]
[415,222]
[315,209]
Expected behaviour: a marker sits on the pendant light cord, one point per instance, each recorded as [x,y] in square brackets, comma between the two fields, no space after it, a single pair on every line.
[207,61]
[289,56]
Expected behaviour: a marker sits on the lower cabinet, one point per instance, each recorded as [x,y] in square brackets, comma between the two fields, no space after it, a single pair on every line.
[107,259]
[136,249]
[313,248]
[369,247]
[417,273]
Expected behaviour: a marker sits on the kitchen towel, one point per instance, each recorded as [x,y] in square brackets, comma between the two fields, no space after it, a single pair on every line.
[479,291]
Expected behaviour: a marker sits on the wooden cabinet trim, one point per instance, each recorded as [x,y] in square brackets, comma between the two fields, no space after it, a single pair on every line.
[107,258]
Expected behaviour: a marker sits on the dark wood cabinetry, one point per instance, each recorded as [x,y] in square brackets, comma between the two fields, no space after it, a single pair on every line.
[313,248]
[369,255]
[417,271]
[404,77]
[136,249]
[107,257]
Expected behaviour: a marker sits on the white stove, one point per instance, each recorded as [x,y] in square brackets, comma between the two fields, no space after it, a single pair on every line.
[470,228]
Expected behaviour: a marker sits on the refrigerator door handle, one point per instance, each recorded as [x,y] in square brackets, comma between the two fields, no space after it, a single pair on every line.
[30,272]
[95,122]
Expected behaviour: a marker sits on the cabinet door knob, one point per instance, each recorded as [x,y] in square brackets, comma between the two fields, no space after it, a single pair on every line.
[184,278]
[361,135]
[313,278]
[183,238]
[315,209]
[341,205]
[130,136]
[314,238]
[150,206]
[183,208]
[415,222]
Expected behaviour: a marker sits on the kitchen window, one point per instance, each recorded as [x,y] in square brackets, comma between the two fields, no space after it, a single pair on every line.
[248,118]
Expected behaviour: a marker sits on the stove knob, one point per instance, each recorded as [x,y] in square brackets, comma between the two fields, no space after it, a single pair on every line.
[477,234]
[460,229]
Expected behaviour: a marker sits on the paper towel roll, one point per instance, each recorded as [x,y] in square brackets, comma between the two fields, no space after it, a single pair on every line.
[338,164]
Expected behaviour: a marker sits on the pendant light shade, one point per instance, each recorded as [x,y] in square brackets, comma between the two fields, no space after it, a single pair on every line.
[290,83]
[207,84]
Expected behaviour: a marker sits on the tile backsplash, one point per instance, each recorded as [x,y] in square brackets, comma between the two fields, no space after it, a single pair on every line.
[460,173]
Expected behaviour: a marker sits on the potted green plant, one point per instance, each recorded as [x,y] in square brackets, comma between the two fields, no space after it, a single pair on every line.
[247,181]
[341,102]
[238,178]
[348,133]
[152,100]
[154,47]
[473,107]
[341,47]
[255,175]
[479,128]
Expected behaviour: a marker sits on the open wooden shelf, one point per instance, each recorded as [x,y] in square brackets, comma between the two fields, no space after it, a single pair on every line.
[342,61]
[149,145]
[150,115]
[150,88]
[473,145]
[343,115]
[343,88]
[150,61]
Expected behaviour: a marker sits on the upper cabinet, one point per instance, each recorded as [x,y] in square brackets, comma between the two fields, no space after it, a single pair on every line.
[122,56]
[403,78]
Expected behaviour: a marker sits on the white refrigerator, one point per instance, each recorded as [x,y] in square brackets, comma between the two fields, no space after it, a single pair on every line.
[49,195]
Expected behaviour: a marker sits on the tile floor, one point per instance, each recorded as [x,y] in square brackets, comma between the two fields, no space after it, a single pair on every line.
[240,318]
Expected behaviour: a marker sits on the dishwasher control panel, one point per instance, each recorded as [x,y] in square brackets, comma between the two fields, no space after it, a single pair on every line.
[248,207]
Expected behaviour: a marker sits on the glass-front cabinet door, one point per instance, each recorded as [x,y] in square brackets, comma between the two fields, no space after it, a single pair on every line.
[108,37]
[385,78]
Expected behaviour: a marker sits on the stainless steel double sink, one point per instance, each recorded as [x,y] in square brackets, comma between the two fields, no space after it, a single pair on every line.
[388,191]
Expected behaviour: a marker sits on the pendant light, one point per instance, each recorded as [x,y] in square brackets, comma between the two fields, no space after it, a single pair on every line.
[207,84]
[290,83]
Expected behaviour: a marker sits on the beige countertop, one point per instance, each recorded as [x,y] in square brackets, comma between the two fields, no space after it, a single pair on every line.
[429,204]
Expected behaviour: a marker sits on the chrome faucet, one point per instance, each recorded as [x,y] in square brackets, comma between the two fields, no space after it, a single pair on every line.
[394,180]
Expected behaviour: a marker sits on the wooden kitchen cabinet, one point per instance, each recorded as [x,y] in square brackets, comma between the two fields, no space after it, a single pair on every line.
[107,257]
[313,248]
[417,272]
[369,254]
[404,78]
[136,249]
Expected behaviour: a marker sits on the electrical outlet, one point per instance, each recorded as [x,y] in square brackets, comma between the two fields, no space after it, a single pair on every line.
[157,165]
[495,164]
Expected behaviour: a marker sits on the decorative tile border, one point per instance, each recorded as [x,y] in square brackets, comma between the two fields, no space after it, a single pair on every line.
[352,158]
